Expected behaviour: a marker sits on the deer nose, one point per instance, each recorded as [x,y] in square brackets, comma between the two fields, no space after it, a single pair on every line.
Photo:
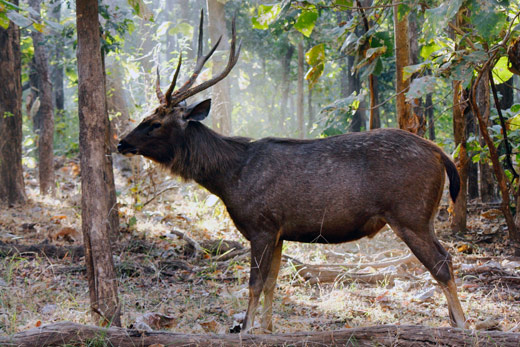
[125,148]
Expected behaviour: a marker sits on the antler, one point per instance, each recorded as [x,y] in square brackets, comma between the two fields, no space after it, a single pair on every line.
[184,92]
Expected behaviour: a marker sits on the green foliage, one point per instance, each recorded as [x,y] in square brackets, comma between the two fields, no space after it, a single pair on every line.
[306,21]
[334,119]
[266,15]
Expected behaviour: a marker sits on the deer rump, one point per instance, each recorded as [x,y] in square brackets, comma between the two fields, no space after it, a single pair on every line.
[338,189]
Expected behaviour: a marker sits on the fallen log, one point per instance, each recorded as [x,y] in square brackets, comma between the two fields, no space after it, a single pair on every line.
[43,249]
[381,335]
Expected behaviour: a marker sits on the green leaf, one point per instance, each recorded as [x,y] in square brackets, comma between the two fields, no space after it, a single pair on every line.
[515,108]
[267,14]
[314,74]
[428,50]
[436,19]
[4,21]
[141,9]
[411,69]
[350,42]
[343,5]
[19,19]
[488,22]
[315,55]
[501,73]
[306,21]
[421,86]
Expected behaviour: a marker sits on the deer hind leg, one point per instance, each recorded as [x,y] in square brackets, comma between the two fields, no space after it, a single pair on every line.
[269,286]
[437,260]
[261,259]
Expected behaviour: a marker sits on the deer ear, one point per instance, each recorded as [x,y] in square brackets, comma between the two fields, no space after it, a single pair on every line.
[198,111]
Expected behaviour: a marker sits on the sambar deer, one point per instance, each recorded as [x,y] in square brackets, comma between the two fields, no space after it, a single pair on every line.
[328,190]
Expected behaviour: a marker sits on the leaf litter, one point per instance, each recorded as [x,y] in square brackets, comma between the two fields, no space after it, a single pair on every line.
[182,266]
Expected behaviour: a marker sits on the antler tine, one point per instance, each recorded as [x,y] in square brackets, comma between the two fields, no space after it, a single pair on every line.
[199,50]
[184,93]
[158,90]
[201,60]
[174,81]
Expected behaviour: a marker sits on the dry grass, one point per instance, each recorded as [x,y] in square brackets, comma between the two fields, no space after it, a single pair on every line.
[36,290]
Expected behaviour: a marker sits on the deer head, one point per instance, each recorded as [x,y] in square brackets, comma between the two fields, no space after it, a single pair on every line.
[160,135]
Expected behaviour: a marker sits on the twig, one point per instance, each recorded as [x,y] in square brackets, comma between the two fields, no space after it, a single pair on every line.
[157,194]
[196,246]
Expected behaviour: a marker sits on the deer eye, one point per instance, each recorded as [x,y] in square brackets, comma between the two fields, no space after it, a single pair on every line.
[152,127]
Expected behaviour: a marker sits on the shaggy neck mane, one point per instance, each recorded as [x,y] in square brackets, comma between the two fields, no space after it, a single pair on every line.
[206,154]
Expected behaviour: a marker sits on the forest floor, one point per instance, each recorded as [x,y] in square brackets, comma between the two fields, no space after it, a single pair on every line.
[163,284]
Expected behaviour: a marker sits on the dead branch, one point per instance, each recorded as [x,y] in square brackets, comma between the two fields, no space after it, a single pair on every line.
[383,335]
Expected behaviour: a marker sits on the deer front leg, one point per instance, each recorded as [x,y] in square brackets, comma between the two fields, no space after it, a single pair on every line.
[262,248]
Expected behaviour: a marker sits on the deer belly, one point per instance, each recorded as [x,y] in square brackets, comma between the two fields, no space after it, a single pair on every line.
[333,232]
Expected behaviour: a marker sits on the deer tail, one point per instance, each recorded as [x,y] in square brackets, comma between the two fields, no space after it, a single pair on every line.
[453,176]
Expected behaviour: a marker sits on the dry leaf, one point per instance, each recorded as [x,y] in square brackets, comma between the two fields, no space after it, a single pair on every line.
[68,234]
[491,214]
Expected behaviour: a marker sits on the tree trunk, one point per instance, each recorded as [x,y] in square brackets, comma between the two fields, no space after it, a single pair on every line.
[221,100]
[405,116]
[299,105]
[95,198]
[110,146]
[57,73]
[472,130]
[286,70]
[353,84]
[488,191]
[430,116]
[458,218]
[46,112]
[12,189]
[416,107]
[375,119]
[514,235]
[380,335]
[310,110]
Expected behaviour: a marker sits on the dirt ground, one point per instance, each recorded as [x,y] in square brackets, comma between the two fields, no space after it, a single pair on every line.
[163,284]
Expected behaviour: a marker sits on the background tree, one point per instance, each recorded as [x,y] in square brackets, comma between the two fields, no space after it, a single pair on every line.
[12,190]
[221,100]
[45,112]
[95,201]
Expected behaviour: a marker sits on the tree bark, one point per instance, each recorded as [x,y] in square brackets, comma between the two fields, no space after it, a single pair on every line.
[416,107]
[488,191]
[472,130]
[353,84]
[310,110]
[379,335]
[299,104]
[93,124]
[286,71]
[46,135]
[57,72]
[221,99]
[405,117]
[430,116]
[12,188]
[459,215]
